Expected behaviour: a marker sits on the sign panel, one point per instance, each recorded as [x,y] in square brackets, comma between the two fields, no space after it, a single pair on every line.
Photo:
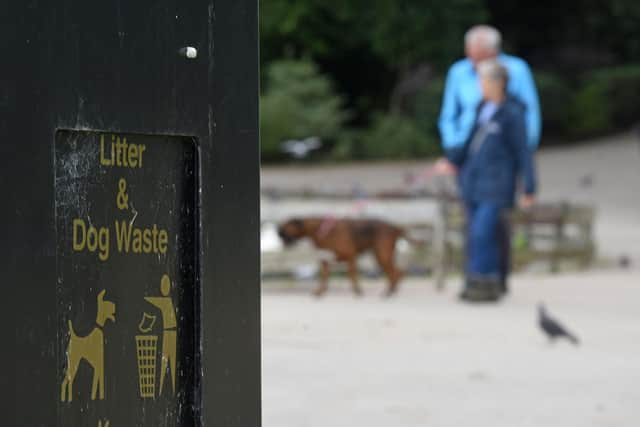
[127,283]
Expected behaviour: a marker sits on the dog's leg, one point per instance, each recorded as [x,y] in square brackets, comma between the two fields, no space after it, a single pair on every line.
[323,285]
[101,378]
[353,275]
[394,276]
[385,257]
[70,375]
[94,383]
[63,391]
[97,387]
[70,388]
[97,372]
[65,382]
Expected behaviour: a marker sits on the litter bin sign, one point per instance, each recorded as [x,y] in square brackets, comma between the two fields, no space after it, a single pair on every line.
[126,277]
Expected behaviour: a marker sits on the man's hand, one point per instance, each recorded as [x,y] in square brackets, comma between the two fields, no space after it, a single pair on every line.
[444,167]
[526,201]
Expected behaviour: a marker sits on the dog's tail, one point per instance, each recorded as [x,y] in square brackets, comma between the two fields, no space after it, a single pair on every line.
[71,331]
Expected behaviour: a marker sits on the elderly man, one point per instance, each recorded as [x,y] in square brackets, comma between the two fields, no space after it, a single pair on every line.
[462,91]
[462,97]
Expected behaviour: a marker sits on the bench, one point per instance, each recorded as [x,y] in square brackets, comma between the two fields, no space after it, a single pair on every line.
[548,232]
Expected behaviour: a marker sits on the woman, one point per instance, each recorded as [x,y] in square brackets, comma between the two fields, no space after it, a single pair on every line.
[489,166]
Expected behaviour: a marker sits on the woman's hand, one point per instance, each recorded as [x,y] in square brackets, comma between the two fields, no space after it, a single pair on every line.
[526,201]
[444,167]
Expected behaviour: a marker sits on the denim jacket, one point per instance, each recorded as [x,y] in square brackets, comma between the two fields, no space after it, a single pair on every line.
[491,164]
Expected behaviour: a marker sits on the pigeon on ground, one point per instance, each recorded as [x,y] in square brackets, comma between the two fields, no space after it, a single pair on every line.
[552,328]
[624,261]
[586,181]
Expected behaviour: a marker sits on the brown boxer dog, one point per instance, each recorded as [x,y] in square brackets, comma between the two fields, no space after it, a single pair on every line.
[347,239]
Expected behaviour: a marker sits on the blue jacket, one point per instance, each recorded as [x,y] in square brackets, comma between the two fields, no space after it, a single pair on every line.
[490,171]
[462,95]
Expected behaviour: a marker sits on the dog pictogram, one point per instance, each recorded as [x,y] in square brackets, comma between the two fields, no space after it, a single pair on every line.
[89,348]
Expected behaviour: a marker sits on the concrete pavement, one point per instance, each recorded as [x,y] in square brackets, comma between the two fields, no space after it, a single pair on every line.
[422,358]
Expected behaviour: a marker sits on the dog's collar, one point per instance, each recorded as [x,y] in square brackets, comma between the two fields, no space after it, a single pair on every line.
[99,327]
[327,224]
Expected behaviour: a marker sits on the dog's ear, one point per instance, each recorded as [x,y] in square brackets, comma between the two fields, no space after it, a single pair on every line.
[101,295]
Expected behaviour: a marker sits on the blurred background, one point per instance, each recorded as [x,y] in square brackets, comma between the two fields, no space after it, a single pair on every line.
[350,96]
[359,73]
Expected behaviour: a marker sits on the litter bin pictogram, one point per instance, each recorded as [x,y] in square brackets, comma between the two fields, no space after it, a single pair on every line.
[147,351]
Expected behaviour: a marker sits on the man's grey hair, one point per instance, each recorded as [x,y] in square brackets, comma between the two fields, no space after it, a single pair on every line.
[488,37]
[492,69]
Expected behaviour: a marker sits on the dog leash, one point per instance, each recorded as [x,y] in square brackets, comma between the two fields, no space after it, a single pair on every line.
[425,176]
[329,221]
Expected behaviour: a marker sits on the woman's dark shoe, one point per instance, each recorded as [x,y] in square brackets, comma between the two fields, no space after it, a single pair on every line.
[481,289]
[504,285]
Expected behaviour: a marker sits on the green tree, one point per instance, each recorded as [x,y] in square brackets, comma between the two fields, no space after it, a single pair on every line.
[367,46]
[409,32]
[298,102]
[402,32]
[571,34]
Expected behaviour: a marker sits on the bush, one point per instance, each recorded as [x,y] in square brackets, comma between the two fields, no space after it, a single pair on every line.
[589,113]
[298,103]
[555,102]
[623,90]
[349,146]
[427,111]
[607,101]
[398,136]
[391,136]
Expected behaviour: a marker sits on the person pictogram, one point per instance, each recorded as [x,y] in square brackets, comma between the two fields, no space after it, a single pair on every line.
[169,333]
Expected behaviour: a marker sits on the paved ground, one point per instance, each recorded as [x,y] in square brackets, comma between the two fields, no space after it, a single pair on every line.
[422,358]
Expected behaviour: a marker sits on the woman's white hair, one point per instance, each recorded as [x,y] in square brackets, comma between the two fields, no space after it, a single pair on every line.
[487,36]
[492,69]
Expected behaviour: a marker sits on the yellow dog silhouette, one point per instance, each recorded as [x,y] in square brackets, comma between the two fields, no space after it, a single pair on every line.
[89,348]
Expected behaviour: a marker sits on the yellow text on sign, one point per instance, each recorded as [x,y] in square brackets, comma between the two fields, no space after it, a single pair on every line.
[141,240]
[120,153]
[129,239]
